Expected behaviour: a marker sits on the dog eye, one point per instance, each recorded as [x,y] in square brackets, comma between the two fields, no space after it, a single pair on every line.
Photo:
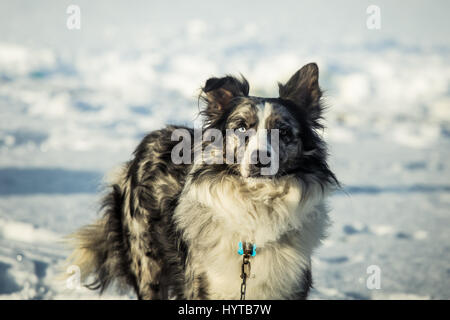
[242,129]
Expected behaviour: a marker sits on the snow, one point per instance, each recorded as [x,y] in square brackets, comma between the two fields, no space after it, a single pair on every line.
[74,104]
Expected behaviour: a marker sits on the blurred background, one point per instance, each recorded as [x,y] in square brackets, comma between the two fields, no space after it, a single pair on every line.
[74,103]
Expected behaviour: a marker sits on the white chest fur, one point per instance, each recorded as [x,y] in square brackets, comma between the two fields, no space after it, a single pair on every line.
[284,220]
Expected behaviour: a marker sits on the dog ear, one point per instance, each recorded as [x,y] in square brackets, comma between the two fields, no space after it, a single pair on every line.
[218,92]
[303,87]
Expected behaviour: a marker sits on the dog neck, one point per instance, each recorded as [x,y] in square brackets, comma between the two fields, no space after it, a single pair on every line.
[254,210]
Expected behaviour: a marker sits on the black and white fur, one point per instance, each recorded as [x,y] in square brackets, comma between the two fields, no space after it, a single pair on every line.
[171,230]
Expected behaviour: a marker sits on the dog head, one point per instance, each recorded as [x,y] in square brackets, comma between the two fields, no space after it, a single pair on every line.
[268,136]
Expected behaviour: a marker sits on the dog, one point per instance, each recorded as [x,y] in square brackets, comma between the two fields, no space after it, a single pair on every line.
[172,230]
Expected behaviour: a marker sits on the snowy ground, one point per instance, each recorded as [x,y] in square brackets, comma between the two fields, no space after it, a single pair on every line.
[73,104]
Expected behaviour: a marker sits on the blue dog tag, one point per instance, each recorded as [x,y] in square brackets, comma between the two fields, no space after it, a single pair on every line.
[241,249]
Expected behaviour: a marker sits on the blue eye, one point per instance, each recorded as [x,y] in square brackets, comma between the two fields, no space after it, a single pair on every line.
[242,129]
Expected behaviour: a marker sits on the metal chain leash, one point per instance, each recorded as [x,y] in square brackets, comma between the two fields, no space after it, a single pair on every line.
[243,287]
[245,273]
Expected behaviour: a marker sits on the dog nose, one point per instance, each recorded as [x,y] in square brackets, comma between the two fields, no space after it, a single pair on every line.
[261,159]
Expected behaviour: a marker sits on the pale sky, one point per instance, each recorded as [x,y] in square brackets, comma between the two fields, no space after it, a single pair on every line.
[43,23]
